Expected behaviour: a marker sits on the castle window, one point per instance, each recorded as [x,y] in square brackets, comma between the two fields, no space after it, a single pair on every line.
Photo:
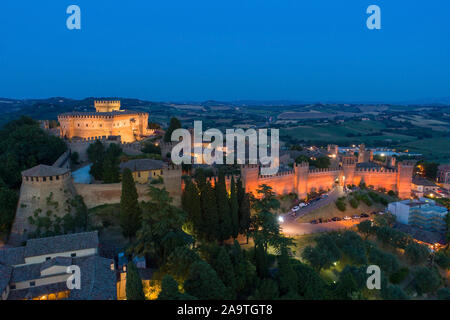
[73,254]
[51,178]
[139,174]
[57,177]
[161,172]
[44,179]
[31,178]
[78,124]
[12,287]
[47,258]
[32,283]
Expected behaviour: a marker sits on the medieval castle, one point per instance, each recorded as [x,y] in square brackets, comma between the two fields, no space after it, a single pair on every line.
[48,189]
[108,120]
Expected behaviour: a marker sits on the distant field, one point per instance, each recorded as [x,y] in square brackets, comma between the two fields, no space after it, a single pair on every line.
[338,133]
[437,149]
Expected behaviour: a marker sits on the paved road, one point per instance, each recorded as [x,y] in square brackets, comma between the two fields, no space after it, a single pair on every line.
[332,197]
[291,227]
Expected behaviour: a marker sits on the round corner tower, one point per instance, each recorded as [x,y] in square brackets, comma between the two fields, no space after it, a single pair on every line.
[44,191]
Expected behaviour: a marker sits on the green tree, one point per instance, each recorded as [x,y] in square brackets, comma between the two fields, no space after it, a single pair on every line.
[210,215]
[234,208]
[223,209]
[386,261]
[174,124]
[365,228]
[133,288]
[110,165]
[96,155]
[8,203]
[416,253]
[310,285]
[130,212]
[191,204]
[287,278]
[244,210]
[24,144]
[161,231]
[267,290]
[204,283]
[324,254]
[170,291]
[393,292]
[426,280]
[224,268]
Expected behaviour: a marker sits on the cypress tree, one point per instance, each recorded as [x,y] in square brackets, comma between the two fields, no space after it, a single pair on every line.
[210,225]
[203,282]
[224,268]
[244,216]
[223,209]
[244,208]
[133,288]
[174,124]
[192,205]
[130,212]
[287,277]
[234,207]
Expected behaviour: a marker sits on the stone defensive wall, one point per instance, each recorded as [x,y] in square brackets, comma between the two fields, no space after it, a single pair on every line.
[130,125]
[376,177]
[108,193]
[81,145]
[63,161]
[281,182]
[323,179]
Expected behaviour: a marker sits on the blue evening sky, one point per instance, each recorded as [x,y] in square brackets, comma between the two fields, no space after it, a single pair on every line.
[314,50]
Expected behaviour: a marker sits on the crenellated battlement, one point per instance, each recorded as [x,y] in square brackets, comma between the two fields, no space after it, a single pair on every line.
[376,170]
[278,174]
[100,115]
[106,106]
[324,170]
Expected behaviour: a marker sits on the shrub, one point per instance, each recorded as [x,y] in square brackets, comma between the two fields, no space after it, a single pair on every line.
[354,203]
[399,276]
[341,205]
[365,198]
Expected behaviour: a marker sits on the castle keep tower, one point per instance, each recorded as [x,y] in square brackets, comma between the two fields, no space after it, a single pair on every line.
[106,106]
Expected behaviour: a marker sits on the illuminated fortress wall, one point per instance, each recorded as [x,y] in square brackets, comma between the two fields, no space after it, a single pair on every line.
[302,180]
[109,120]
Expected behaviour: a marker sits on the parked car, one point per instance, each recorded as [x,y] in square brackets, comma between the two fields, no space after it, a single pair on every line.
[373,212]
[347,218]
[364,215]
[319,220]
[296,208]
[356,217]
[302,204]
[324,196]
[313,222]
[381,212]
[336,219]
